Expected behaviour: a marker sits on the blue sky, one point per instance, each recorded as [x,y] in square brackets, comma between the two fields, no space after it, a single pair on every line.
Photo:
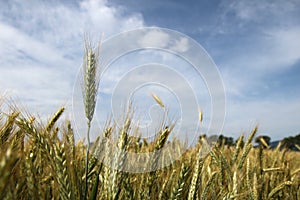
[255,45]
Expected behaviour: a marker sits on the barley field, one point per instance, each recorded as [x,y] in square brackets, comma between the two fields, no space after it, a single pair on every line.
[43,161]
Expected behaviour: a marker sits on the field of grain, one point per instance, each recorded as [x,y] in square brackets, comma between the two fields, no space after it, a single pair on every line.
[43,161]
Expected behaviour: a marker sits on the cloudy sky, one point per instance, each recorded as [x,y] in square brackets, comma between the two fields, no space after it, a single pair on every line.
[255,45]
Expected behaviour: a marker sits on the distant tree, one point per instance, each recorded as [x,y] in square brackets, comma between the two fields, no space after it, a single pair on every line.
[290,142]
[263,140]
[223,140]
[230,141]
[218,139]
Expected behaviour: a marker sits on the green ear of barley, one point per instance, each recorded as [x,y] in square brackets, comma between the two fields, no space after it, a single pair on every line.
[251,136]
[31,176]
[237,149]
[196,172]
[224,165]
[41,139]
[247,148]
[54,118]
[90,91]
[182,179]
[208,185]
[244,155]
[70,139]
[120,159]
[6,130]
[159,143]
[90,78]
[63,176]
[128,186]
[162,138]
[168,181]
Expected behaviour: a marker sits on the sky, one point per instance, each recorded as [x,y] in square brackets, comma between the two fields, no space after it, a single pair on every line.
[254,44]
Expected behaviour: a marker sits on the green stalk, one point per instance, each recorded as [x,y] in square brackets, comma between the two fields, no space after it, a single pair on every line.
[87,159]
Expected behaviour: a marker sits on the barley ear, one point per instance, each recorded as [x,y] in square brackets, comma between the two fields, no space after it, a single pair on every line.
[278,188]
[208,185]
[54,119]
[90,90]
[158,100]
[237,149]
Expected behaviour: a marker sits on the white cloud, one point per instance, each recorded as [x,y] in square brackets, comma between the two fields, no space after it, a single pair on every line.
[276,52]
[155,38]
[106,19]
[181,45]
[16,44]
[33,72]
[42,42]
[284,47]
[279,49]
[63,25]
[258,10]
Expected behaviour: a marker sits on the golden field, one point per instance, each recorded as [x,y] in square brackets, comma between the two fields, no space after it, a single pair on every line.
[43,161]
